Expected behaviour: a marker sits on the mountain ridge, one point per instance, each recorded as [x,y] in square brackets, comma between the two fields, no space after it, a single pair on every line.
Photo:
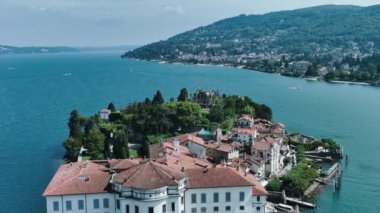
[329,26]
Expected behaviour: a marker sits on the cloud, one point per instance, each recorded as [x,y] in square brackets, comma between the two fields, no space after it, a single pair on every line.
[178,10]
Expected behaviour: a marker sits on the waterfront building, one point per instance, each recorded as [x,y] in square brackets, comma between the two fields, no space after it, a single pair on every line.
[171,181]
[244,135]
[104,114]
[245,121]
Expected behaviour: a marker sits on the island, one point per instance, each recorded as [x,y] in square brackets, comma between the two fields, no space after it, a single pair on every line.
[338,44]
[207,150]
[6,49]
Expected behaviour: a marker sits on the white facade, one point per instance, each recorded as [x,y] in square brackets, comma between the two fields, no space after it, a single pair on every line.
[258,204]
[245,137]
[169,199]
[271,157]
[104,114]
[102,202]
[197,149]
[234,153]
[222,204]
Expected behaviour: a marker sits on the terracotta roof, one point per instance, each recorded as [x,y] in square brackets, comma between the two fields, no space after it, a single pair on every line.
[186,137]
[246,117]
[79,178]
[126,164]
[262,146]
[270,139]
[105,111]
[215,177]
[221,147]
[149,175]
[257,187]
[244,131]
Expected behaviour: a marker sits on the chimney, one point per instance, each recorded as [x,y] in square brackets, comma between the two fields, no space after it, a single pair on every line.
[176,145]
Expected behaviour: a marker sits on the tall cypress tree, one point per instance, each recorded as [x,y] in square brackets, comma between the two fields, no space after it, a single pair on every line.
[111,107]
[74,125]
[183,95]
[157,98]
[120,149]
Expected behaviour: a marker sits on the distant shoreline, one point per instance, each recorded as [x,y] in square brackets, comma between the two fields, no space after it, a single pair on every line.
[257,70]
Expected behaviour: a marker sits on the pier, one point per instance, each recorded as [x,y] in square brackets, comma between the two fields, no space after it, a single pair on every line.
[297,201]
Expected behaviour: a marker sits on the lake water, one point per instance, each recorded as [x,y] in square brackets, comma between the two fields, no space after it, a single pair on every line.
[37,93]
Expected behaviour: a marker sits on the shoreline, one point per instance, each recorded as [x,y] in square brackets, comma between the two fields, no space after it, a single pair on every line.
[258,70]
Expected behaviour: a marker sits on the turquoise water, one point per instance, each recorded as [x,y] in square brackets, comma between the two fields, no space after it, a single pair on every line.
[36,99]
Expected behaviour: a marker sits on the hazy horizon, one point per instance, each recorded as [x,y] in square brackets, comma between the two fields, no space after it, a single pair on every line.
[125,22]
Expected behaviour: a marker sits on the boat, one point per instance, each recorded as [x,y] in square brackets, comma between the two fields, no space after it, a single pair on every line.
[67,74]
[284,207]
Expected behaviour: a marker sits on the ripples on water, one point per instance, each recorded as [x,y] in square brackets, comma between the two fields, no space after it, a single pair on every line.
[36,98]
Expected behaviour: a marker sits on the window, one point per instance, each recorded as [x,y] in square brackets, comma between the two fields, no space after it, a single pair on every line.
[241,208]
[258,198]
[228,208]
[241,196]
[118,204]
[258,208]
[56,206]
[137,210]
[216,209]
[216,197]
[80,204]
[126,208]
[164,208]
[203,198]
[182,200]
[228,196]
[96,203]
[203,209]
[106,203]
[193,198]
[68,205]
[150,210]
[173,206]
[193,210]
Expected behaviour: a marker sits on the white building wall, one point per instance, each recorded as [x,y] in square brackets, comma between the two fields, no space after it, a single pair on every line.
[105,115]
[197,149]
[222,204]
[88,202]
[233,154]
[258,205]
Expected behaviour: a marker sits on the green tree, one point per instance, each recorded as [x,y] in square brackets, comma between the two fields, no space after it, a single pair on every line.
[72,147]
[111,107]
[274,185]
[216,114]
[157,98]
[183,95]
[75,125]
[330,76]
[145,149]
[95,143]
[120,148]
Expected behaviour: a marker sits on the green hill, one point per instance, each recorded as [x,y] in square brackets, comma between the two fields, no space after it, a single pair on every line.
[309,32]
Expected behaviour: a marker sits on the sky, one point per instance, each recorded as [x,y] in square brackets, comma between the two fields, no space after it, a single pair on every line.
[125,22]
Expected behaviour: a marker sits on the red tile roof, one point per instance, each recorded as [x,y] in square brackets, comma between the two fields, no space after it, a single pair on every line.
[149,175]
[126,163]
[215,177]
[79,178]
[257,188]
[244,131]
[261,146]
[245,117]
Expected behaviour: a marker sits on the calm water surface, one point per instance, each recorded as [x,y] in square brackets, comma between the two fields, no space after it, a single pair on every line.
[36,98]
